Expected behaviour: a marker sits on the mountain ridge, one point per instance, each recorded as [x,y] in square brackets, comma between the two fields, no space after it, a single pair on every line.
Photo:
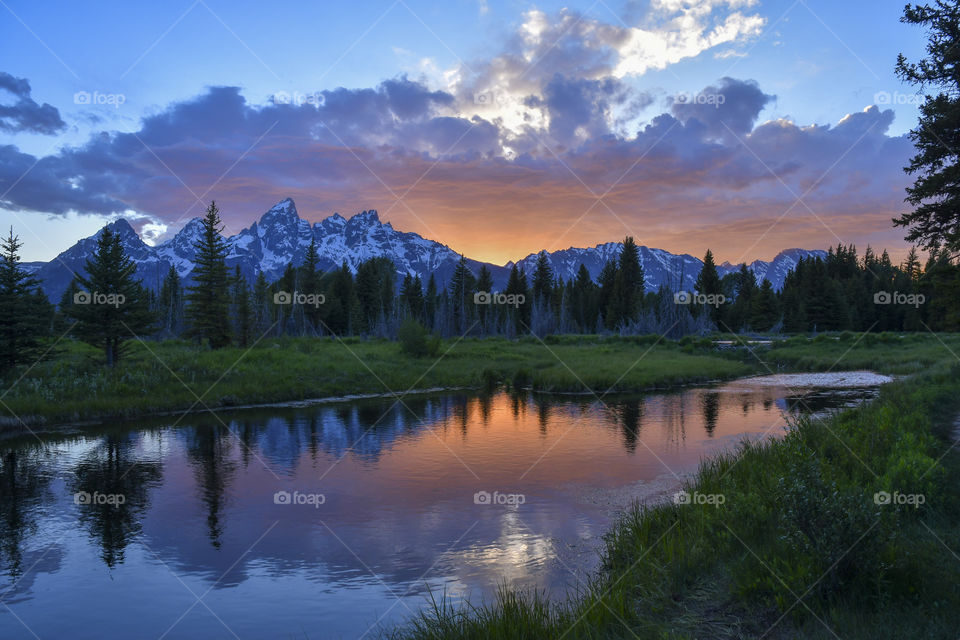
[281,236]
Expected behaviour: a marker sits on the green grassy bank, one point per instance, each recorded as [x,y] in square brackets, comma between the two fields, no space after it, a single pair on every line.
[797,547]
[169,376]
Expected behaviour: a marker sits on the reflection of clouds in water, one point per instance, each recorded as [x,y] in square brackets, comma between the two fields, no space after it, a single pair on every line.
[514,554]
[18,584]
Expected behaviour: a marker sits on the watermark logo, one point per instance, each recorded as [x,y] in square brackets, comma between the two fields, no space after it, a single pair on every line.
[487,297]
[298,498]
[298,297]
[887,297]
[96,98]
[490,98]
[298,99]
[896,498]
[708,299]
[507,499]
[710,99]
[685,497]
[96,498]
[112,299]
[895,98]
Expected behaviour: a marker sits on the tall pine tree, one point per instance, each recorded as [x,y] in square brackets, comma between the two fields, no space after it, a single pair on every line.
[209,297]
[25,311]
[112,307]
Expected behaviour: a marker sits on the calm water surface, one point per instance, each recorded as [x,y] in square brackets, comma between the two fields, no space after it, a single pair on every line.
[337,520]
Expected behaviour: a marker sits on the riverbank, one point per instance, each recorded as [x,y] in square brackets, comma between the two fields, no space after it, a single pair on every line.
[174,376]
[846,528]
[74,387]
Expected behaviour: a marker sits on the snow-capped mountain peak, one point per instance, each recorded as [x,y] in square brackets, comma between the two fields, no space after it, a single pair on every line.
[281,237]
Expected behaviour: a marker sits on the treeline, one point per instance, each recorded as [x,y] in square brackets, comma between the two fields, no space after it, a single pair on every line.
[108,306]
[375,301]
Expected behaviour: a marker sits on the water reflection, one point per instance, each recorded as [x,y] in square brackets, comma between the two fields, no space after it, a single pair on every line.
[403,512]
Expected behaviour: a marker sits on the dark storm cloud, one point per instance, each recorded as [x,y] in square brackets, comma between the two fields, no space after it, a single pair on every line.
[24,114]
[729,109]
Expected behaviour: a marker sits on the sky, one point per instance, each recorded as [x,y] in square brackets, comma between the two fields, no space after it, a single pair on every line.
[498,128]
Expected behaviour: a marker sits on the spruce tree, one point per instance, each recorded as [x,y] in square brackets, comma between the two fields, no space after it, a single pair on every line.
[25,314]
[171,303]
[430,304]
[708,283]
[935,193]
[764,310]
[112,306]
[462,287]
[628,282]
[242,309]
[484,284]
[542,278]
[209,297]
[309,283]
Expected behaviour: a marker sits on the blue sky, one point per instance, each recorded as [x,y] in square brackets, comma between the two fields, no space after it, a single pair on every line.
[816,62]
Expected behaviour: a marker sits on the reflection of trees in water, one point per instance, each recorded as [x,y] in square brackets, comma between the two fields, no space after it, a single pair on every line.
[113,469]
[460,413]
[710,404]
[518,403]
[485,405]
[24,486]
[627,416]
[631,415]
[543,405]
[209,449]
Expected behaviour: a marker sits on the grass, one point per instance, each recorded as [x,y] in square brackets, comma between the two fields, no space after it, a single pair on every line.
[890,353]
[799,547]
[169,376]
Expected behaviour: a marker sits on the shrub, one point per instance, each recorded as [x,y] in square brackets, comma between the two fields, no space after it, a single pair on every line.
[415,341]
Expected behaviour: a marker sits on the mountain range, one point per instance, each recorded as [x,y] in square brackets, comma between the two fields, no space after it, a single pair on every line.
[281,236]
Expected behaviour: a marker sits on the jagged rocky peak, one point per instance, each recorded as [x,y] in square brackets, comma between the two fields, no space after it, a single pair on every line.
[366,217]
[123,227]
[285,210]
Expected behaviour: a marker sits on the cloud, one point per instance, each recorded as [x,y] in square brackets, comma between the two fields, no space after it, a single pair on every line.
[729,109]
[509,157]
[572,45]
[25,115]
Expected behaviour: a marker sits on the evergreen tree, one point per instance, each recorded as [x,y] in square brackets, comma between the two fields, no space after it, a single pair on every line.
[262,316]
[623,307]
[462,287]
[740,313]
[430,304]
[485,285]
[542,278]
[25,314]
[583,301]
[113,306]
[209,297]
[708,283]
[607,281]
[242,309]
[309,283]
[519,318]
[170,303]
[764,311]
[935,193]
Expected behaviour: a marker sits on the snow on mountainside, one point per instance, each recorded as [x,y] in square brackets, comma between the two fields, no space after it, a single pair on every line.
[281,236]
